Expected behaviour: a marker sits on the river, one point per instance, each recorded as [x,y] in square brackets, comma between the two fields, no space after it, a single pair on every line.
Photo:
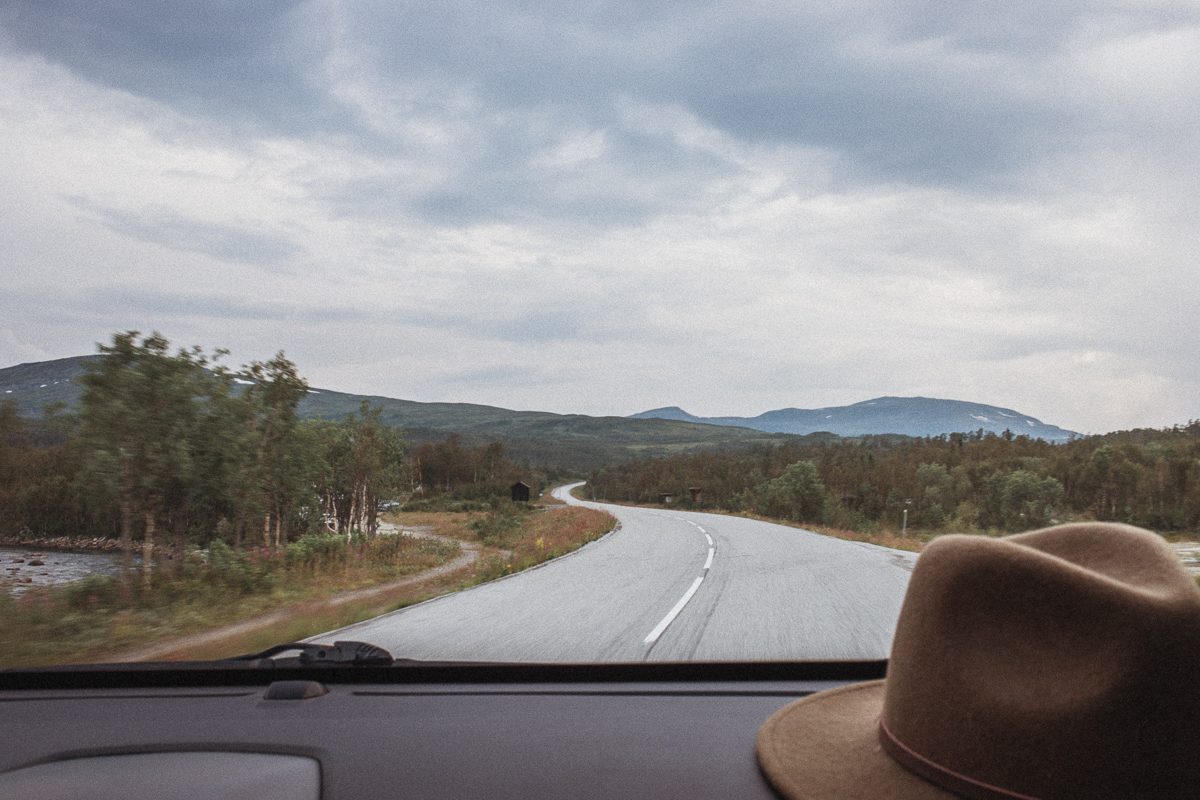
[20,570]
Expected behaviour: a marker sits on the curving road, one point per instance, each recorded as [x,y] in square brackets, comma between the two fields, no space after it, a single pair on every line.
[667,586]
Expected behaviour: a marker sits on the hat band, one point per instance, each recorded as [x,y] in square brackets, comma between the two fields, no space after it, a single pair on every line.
[938,775]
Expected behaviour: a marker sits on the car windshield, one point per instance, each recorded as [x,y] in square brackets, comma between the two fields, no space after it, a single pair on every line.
[350,321]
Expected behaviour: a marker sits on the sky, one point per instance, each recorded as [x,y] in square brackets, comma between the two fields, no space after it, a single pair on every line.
[608,207]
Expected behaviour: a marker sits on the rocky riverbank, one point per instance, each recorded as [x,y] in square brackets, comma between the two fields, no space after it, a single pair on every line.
[94,545]
[23,568]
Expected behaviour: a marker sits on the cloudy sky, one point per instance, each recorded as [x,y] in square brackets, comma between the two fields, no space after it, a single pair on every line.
[605,207]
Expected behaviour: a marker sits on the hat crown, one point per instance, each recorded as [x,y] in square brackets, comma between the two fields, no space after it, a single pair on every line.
[1058,663]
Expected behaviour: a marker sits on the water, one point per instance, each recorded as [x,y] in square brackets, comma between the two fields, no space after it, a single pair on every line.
[18,574]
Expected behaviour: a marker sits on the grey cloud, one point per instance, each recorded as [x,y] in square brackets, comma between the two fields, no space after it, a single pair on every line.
[639,177]
[151,30]
[792,77]
[797,75]
[504,375]
[165,227]
[230,60]
[536,326]
[140,304]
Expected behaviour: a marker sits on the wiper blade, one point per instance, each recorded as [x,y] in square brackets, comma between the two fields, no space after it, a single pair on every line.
[351,653]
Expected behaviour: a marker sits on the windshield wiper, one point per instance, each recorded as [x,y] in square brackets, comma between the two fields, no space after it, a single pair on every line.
[351,653]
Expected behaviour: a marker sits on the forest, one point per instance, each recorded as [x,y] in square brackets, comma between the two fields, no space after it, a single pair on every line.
[970,482]
[173,449]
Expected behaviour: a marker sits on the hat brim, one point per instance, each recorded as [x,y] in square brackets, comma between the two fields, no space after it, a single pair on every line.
[826,746]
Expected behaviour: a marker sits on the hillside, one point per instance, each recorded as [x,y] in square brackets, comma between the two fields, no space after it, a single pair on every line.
[573,440]
[569,440]
[908,416]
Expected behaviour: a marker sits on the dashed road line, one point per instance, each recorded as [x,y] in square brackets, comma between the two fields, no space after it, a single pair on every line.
[652,637]
[674,612]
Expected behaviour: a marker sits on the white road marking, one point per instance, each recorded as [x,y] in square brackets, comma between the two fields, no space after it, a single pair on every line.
[652,637]
[673,613]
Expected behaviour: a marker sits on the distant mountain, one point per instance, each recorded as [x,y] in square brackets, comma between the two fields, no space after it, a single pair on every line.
[909,416]
[41,383]
[570,440]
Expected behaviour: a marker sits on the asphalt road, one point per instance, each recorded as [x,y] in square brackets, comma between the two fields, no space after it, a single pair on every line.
[667,586]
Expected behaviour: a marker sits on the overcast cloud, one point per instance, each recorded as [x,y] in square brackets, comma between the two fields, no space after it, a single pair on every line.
[607,207]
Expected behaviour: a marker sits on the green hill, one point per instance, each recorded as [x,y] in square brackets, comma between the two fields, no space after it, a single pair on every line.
[568,440]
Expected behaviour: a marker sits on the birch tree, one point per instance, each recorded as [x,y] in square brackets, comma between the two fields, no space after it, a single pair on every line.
[139,409]
[364,465]
[275,469]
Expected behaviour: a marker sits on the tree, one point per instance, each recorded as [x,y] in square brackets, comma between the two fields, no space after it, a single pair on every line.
[275,469]
[363,466]
[797,494]
[1019,500]
[139,411]
[937,492]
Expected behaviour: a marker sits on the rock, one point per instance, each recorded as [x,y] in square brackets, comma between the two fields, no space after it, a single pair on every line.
[37,562]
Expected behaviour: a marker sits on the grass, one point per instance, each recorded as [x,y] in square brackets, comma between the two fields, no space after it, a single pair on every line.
[454,524]
[913,541]
[99,617]
[302,620]
[537,538]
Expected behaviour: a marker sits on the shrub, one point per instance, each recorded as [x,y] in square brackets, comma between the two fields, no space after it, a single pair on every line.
[797,494]
[501,524]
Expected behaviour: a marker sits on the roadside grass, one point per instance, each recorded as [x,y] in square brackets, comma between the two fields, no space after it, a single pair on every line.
[302,620]
[99,617]
[914,540]
[528,538]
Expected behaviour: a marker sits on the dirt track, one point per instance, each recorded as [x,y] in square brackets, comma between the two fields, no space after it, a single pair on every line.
[165,648]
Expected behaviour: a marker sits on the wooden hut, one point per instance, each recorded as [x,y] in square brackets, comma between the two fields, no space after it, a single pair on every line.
[520,492]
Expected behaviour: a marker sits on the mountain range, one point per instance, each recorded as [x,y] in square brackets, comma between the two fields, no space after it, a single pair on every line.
[908,416]
[583,442]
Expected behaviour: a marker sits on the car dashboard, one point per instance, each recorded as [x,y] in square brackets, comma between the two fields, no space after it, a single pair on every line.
[279,728]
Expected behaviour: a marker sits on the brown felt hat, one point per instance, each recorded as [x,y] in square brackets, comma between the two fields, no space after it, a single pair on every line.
[1060,663]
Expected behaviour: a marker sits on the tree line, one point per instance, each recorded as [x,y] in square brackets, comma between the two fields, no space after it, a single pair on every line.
[961,481]
[168,449]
